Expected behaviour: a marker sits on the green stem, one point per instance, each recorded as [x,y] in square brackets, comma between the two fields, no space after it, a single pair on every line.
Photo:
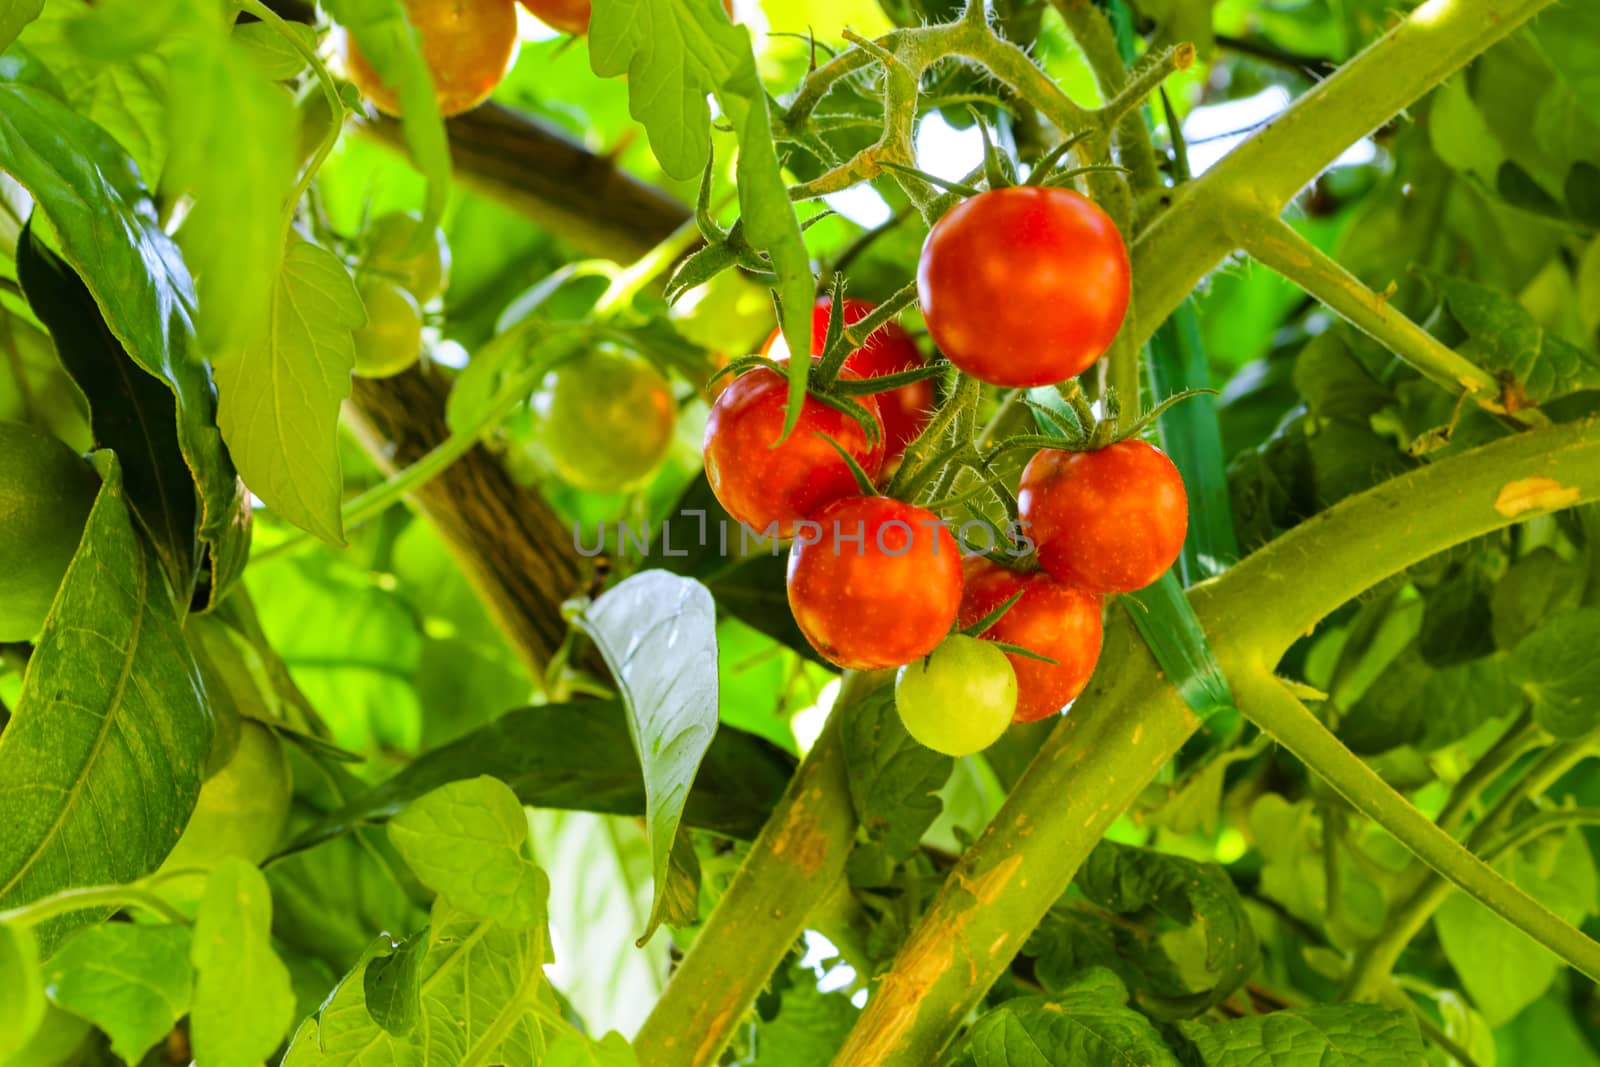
[1130,721]
[628,282]
[90,898]
[1522,735]
[908,478]
[1281,247]
[1269,704]
[795,863]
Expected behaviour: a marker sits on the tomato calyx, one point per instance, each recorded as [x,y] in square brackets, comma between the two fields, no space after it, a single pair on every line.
[839,395]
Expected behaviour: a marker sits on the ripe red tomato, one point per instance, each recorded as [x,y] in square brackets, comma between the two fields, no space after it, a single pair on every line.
[1108,521]
[572,16]
[467,45]
[1050,618]
[1024,286]
[760,484]
[879,584]
[888,351]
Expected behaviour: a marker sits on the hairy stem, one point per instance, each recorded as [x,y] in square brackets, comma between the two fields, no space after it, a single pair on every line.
[1522,735]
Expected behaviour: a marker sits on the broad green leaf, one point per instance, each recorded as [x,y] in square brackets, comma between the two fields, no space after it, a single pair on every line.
[600,894]
[1459,134]
[1327,1035]
[109,234]
[23,1007]
[132,981]
[1537,586]
[392,985]
[243,1000]
[1557,668]
[1507,340]
[281,394]
[465,841]
[1182,940]
[275,57]
[101,771]
[1289,837]
[130,412]
[480,982]
[676,53]
[393,49]
[894,786]
[572,1049]
[57,1037]
[344,1034]
[579,757]
[233,151]
[1569,37]
[1501,968]
[1087,1025]
[14,15]
[658,634]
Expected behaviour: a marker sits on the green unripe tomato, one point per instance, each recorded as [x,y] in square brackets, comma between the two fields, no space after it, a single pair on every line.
[46,491]
[422,269]
[603,421]
[243,808]
[959,698]
[391,340]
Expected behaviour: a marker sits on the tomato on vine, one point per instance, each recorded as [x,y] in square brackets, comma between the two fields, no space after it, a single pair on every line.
[761,482]
[888,350]
[877,583]
[1049,618]
[393,250]
[467,46]
[1108,521]
[604,420]
[391,340]
[1025,285]
[959,698]
[46,492]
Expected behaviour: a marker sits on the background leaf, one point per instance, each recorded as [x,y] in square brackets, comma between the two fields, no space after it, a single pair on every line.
[1556,666]
[24,1007]
[132,981]
[243,1002]
[1088,1025]
[1327,1035]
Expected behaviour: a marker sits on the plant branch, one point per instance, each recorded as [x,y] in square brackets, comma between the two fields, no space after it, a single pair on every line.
[1522,735]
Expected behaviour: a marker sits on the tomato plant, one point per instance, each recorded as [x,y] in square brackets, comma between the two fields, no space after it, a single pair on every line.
[1024,285]
[1050,619]
[1110,520]
[878,583]
[1156,626]
[887,350]
[604,420]
[764,479]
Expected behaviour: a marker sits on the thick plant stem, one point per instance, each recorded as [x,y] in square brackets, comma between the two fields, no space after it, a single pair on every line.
[1268,703]
[795,863]
[1130,721]
[1279,246]
[1189,238]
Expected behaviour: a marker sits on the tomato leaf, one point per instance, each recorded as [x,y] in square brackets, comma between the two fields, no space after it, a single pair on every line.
[894,786]
[129,411]
[1089,1022]
[243,1002]
[1556,666]
[465,841]
[1508,340]
[22,1011]
[1332,1035]
[79,810]
[392,985]
[572,1049]
[658,635]
[281,394]
[132,981]
[676,53]
[106,224]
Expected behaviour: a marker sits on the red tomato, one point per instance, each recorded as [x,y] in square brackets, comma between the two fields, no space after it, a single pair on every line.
[877,585]
[888,350]
[1024,286]
[1049,618]
[467,45]
[760,485]
[1108,521]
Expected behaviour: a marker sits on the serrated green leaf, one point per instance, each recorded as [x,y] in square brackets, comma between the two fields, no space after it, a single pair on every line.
[233,151]
[894,782]
[1088,1025]
[22,1010]
[809,1028]
[243,1000]
[479,984]
[133,982]
[130,412]
[108,232]
[343,1033]
[79,810]
[280,397]
[1557,667]
[1327,1035]
[658,634]
[1534,588]
[1507,340]
[465,842]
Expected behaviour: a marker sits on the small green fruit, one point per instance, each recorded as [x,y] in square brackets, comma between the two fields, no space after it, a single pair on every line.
[422,269]
[391,340]
[959,698]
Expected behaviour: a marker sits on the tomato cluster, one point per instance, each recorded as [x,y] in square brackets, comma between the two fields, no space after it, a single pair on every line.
[401,269]
[1019,287]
